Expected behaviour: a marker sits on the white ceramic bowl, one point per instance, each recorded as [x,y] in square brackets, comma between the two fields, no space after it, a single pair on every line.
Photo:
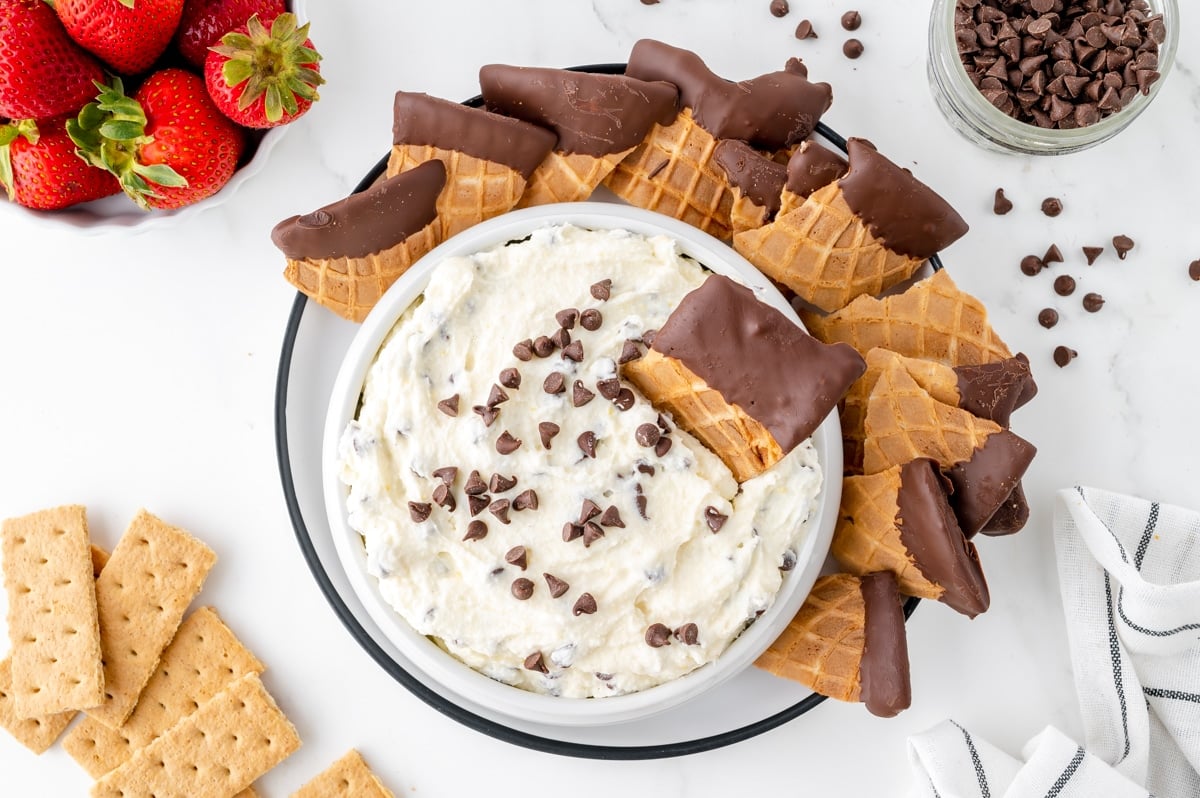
[449,672]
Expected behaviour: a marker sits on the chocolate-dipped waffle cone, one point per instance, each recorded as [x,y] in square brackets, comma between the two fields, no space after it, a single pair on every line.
[564,177]
[756,182]
[900,521]
[477,189]
[847,642]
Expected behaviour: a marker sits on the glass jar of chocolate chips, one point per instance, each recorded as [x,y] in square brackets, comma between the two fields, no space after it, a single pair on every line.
[1048,77]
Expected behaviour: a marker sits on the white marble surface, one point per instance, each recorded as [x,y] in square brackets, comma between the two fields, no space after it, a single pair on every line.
[139,370]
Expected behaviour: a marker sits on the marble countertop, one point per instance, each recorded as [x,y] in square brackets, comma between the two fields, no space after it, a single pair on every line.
[139,371]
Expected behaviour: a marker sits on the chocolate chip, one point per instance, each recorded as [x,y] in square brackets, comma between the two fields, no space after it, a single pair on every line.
[496,396]
[805,30]
[1064,355]
[1091,253]
[526,500]
[1092,302]
[789,561]
[1002,204]
[419,511]
[574,351]
[478,504]
[476,530]
[588,511]
[499,508]
[591,320]
[447,474]
[547,430]
[714,518]
[640,502]
[543,346]
[442,497]
[475,484]
[554,383]
[1053,255]
[1122,244]
[488,414]
[449,406]
[571,532]
[557,586]
[612,517]
[584,605]
[591,533]
[609,388]
[624,400]
[536,662]
[517,556]
[523,350]
[506,443]
[779,8]
[1194,270]
[663,424]
[658,635]
[501,484]
[602,290]
[688,634]
[580,395]
[1032,265]
[1048,318]
[663,446]
[647,435]
[587,443]
[510,378]
[561,338]
[630,351]
[851,20]
[1052,206]
[566,318]
[852,49]
[644,468]
[1064,285]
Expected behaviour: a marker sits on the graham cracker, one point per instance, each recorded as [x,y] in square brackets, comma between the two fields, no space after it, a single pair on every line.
[202,660]
[349,777]
[153,575]
[215,752]
[52,618]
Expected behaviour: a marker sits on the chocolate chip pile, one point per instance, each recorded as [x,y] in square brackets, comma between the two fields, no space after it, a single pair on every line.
[1059,63]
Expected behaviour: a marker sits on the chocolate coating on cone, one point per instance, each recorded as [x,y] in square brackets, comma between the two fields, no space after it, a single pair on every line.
[812,167]
[884,684]
[592,114]
[932,536]
[992,390]
[368,222]
[759,360]
[758,177]
[424,120]
[771,111]
[1011,517]
[901,211]
[982,483]
[1029,389]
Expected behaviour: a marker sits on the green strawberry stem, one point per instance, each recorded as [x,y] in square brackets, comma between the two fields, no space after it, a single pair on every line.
[26,128]
[272,64]
[109,132]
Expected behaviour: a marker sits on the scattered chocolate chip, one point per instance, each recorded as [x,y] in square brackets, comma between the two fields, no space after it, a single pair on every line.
[506,443]
[501,484]
[647,435]
[475,484]
[1052,206]
[650,2]
[663,446]
[566,318]
[543,346]
[476,530]
[571,532]
[1194,270]
[588,511]
[688,634]
[591,533]
[630,351]
[488,414]
[851,20]
[584,605]
[789,561]
[535,661]
[1002,204]
[523,350]
[561,338]
[612,517]
[517,556]
[644,468]
[1064,285]
[557,586]
[449,406]
[602,290]
[478,504]
[526,500]
[1091,253]
[510,378]
[853,48]
[805,30]
[419,511]
[779,8]
[1122,244]
[591,320]
[658,635]
[442,497]
[1064,355]
[573,351]
[547,430]
[1048,318]
[609,388]
[663,424]
[447,474]
[1053,255]
[640,502]
[1092,302]
[499,508]
[1032,265]
[496,396]
[554,383]
[580,395]
[587,443]
[624,400]
[714,518]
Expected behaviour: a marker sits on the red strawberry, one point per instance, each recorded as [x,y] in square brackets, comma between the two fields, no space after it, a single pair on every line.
[204,22]
[43,73]
[128,35]
[261,78]
[168,144]
[41,169]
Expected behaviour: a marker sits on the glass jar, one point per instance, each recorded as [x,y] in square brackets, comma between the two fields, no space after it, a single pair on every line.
[970,113]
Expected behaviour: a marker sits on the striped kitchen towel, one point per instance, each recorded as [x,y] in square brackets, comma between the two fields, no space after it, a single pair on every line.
[1129,571]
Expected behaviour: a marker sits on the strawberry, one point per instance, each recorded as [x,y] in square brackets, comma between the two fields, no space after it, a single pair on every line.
[260,78]
[128,35]
[204,22]
[39,169]
[43,73]
[168,144]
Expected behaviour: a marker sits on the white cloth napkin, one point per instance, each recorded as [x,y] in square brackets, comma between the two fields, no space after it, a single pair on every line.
[1129,571]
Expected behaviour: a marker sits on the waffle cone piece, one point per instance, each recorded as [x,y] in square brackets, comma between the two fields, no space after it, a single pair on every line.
[847,642]
[900,521]
[568,177]
[476,189]
[757,183]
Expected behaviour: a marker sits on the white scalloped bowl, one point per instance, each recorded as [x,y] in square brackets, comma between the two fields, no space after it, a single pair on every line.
[450,673]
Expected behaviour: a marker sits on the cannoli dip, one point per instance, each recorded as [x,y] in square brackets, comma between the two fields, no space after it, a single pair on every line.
[527,510]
